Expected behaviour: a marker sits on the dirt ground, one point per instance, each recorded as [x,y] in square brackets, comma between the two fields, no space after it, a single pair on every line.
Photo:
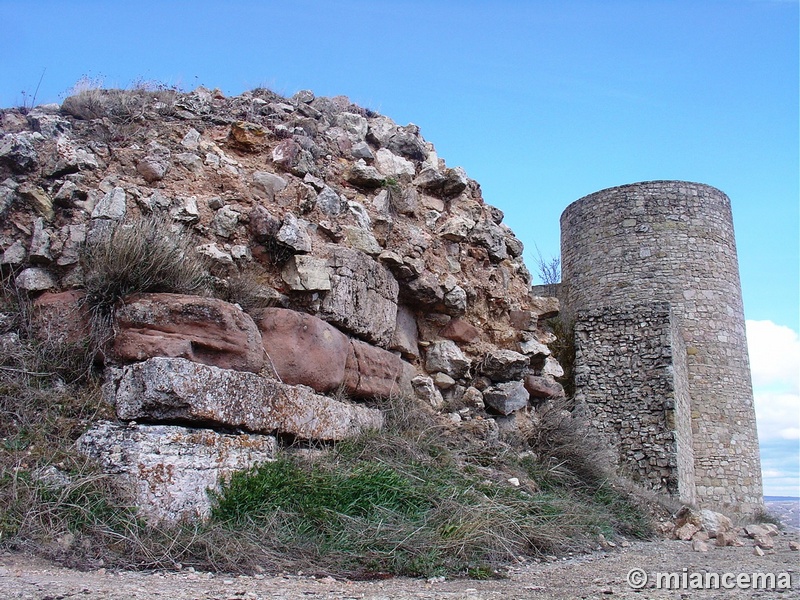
[593,576]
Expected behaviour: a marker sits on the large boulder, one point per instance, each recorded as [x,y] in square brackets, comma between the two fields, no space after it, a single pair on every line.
[177,390]
[169,469]
[373,372]
[304,349]
[714,523]
[363,296]
[203,330]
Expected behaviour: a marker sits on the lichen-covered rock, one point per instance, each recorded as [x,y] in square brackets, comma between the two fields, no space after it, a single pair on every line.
[267,185]
[154,165]
[35,279]
[112,206]
[170,469]
[248,137]
[365,176]
[61,318]
[15,254]
[178,390]
[38,199]
[406,339]
[307,273]
[204,330]
[18,152]
[426,391]
[363,296]
[39,251]
[293,234]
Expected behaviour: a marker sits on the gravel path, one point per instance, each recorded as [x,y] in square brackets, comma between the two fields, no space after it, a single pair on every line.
[594,576]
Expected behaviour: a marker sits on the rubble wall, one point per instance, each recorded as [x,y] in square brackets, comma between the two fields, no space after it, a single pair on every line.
[635,392]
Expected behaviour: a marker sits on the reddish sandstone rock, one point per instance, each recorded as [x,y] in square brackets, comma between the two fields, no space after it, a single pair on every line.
[373,371]
[524,320]
[543,387]
[304,349]
[460,330]
[203,330]
[686,531]
[61,318]
[728,538]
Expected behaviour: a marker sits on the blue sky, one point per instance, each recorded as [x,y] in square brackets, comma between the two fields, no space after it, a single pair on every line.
[542,102]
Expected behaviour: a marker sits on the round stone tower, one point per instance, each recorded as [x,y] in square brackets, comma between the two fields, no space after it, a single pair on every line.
[673,241]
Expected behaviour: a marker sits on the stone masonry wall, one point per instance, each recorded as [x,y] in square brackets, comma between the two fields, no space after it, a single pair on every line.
[673,241]
[635,394]
[682,414]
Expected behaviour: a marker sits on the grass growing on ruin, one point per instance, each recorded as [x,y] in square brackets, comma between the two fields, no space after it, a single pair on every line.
[418,500]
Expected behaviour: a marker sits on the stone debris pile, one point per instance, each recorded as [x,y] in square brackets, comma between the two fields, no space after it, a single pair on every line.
[348,260]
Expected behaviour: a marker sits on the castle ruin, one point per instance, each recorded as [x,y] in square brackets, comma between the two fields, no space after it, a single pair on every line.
[650,277]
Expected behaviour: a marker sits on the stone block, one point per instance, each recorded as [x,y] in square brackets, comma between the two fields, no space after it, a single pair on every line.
[373,372]
[543,387]
[686,531]
[307,273]
[169,469]
[35,279]
[204,330]
[459,330]
[543,307]
[713,522]
[503,365]
[426,391]
[177,390]
[446,357]
[406,338]
[363,296]
[303,349]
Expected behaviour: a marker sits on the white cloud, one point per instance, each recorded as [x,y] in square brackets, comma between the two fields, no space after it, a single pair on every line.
[775,366]
[777,415]
[774,355]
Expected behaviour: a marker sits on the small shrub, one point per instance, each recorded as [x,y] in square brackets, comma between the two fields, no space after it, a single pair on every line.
[37,354]
[89,100]
[570,447]
[764,516]
[144,255]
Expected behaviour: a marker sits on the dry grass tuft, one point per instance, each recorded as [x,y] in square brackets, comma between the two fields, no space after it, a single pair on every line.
[144,255]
